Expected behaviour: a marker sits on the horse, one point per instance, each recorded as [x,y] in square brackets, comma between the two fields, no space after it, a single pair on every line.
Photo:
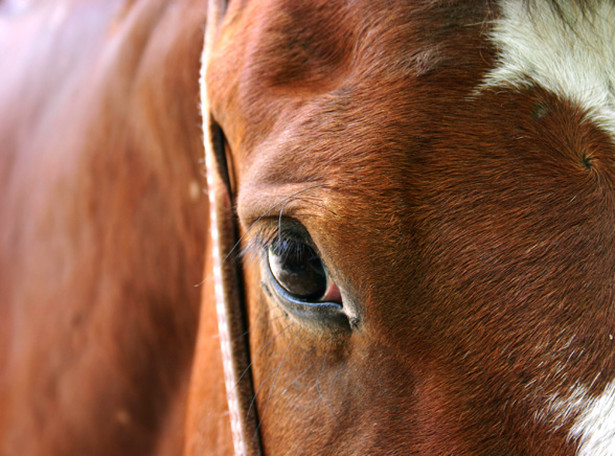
[404,244]
[103,222]
[422,196]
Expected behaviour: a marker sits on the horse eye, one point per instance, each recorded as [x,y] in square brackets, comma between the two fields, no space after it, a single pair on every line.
[297,268]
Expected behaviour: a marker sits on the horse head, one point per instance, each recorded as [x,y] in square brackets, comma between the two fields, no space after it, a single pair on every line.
[418,200]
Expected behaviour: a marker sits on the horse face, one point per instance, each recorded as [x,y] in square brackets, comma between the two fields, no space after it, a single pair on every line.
[428,249]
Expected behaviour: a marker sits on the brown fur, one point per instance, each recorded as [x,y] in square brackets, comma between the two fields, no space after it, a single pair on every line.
[103,224]
[471,233]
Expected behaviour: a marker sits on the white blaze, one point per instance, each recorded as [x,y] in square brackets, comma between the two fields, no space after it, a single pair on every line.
[573,58]
[572,55]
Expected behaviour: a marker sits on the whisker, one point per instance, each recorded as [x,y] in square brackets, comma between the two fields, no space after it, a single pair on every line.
[284,201]
[262,349]
[337,372]
[302,373]
[264,380]
[260,320]
[277,371]
[322,369]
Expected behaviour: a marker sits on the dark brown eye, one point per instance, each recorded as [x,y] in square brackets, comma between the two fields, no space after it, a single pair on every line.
[297,268]
[297,281]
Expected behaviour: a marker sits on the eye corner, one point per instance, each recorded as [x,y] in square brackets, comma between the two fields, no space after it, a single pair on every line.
[296,279]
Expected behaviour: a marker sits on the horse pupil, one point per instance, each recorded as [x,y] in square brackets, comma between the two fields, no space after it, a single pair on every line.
[297,269]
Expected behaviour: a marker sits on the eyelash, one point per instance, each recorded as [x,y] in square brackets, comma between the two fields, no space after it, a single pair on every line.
[262,239]
[270,233]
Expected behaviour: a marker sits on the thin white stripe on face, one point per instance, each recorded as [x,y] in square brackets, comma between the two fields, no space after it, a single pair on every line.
[574,60]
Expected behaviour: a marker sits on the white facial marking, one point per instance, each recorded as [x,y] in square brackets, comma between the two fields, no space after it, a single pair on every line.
[573,58]
[570,53]
[593,419]
[594,427]
[558,410]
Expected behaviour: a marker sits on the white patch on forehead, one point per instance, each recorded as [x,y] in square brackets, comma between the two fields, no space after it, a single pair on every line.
[571,54]
[593,425]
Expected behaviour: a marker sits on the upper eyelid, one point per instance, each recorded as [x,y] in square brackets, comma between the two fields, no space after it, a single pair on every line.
[257,242]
